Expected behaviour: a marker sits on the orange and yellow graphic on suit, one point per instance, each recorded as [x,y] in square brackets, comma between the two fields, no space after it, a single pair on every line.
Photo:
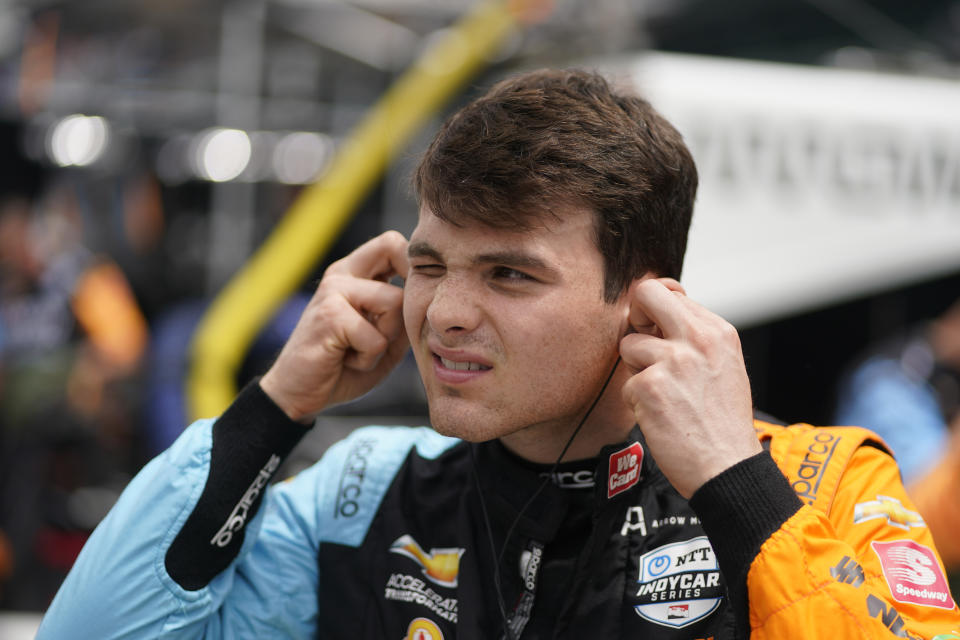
[441,566]
[423,629]
[889,509]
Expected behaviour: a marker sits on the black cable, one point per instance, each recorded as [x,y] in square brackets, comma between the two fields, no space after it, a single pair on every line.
[556,464]
[483,505]
[493,548]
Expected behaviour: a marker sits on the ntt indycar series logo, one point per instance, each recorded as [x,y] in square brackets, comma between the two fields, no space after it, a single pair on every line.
[679,583]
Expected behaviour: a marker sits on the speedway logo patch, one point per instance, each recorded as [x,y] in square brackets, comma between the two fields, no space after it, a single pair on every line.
[679,583]
[624,471]
[913,573]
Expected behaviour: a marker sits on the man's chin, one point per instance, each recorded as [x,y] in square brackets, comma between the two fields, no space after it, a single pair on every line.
[471,428]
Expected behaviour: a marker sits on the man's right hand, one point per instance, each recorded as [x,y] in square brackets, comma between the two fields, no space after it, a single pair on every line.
[350,336]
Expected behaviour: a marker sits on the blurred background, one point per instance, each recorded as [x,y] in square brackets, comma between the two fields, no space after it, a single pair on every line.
[149,148]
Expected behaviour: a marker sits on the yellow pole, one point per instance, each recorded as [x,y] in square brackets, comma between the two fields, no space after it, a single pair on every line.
[316,218]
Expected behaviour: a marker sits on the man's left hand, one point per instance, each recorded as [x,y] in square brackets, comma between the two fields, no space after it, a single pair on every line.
[689,393]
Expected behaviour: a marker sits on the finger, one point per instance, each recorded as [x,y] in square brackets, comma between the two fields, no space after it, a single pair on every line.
[371,298]
[379,258]
[653,302]
[636,391]
[364,344]
[639,350]
[390,323]
[637,320]
[673,285]
[373,356]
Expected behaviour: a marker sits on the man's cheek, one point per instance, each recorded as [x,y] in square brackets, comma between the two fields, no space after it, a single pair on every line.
[412,321]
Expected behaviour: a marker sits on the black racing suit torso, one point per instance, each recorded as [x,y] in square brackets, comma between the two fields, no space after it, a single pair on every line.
[577,564]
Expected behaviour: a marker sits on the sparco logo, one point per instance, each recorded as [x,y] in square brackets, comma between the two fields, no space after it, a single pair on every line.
[624,471]
[351,479]
[238,517]
[814,463]
[530,561]
[582,479]
[679,583]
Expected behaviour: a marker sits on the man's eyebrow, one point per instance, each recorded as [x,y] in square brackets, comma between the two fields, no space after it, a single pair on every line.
[420,249]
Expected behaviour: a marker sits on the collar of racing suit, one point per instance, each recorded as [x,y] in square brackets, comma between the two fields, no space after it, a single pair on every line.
[569,517]
[509,481]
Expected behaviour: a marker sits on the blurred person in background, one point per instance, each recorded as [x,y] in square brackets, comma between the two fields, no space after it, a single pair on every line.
[593,469]
[907,389]
[73,338]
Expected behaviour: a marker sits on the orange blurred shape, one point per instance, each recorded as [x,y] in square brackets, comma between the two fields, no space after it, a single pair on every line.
[107,310]
[530,11]
[937,497]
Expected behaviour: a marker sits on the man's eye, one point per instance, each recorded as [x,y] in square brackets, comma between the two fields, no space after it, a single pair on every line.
[428,269]
[506,273]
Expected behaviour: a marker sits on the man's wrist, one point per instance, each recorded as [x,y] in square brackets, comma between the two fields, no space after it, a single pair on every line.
[275,393]
[743,506]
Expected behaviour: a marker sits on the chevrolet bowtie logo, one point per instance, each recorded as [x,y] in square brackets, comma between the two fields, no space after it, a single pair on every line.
[890,509]
[440,565]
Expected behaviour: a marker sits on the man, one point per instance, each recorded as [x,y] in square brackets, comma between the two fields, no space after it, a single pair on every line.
[588,400]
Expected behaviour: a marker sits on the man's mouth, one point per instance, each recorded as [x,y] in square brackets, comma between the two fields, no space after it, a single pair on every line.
[462,366]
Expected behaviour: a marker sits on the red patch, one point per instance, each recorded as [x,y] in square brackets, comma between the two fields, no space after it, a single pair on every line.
[624,469]
[913,573]
[59,549]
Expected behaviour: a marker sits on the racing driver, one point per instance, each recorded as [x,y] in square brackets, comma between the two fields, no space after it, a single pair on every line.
[593,468]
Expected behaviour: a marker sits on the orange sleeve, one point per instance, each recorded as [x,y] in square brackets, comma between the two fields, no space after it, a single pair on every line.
[937,496]
[867,569]
[108,313]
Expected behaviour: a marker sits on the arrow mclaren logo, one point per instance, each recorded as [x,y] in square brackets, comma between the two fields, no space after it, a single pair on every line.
[679,583]
[440,566]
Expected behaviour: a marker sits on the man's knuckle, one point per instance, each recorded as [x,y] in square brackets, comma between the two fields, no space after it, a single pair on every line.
[729,333]
[394,238]
[654,381]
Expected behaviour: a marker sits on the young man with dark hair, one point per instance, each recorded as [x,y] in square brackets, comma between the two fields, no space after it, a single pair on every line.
[593,467]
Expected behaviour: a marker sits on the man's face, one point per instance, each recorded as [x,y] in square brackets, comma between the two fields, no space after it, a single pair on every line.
[509,329]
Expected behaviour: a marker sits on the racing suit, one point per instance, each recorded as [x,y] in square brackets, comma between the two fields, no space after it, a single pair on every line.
[394,533]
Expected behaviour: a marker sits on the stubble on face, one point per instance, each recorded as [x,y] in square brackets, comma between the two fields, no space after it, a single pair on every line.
[546,331]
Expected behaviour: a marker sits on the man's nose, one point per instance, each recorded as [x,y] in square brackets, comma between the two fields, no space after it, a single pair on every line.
[454,307]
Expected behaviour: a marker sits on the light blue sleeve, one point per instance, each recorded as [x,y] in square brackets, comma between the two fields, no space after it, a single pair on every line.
[275,595]
[904,412]
[119,586]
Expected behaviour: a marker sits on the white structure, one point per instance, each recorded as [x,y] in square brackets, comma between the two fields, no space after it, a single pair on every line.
[817,184]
